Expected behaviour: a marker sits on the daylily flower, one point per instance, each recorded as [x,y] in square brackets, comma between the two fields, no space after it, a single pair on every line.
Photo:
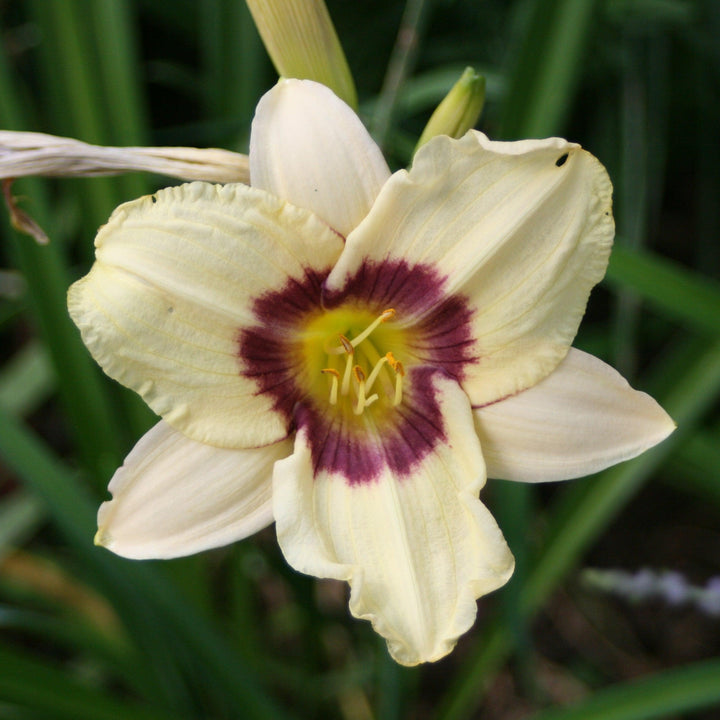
[351,353]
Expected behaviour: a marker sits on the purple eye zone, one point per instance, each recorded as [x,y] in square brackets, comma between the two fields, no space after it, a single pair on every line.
[438,328]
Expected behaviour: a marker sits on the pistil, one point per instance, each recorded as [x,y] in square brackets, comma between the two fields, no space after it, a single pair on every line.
[384,316]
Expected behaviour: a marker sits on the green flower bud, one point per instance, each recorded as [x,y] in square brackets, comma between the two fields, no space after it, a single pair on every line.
[302,43]
[460,109]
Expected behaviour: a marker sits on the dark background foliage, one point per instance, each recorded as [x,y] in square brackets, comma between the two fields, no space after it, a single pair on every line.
[234,633]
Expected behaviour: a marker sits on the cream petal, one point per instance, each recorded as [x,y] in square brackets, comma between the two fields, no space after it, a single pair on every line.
[308,147]
[579,420]
[519,231]
[176,280]
[417,549]
[174,496]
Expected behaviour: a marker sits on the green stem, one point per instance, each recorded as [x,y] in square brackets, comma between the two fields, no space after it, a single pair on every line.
[399,67]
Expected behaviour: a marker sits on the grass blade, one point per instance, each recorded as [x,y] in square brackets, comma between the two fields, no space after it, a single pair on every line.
[660,696]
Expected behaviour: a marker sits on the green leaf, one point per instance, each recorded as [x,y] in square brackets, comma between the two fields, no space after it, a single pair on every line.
[34,683]
[26,380]
[547,62]
[678,293]
[20,514]
[659,696]
[155,614]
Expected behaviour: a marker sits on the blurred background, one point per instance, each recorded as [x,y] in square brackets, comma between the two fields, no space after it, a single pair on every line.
[234,633]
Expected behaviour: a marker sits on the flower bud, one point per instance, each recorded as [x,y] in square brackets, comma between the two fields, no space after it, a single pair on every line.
[460,109]
[302,43]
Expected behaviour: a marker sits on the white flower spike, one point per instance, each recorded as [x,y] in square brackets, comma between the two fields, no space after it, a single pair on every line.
[352,354]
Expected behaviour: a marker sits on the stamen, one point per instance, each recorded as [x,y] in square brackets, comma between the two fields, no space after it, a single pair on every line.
[348,364]
[384,316]
[342,386]
[360,377]
[399,374]
[335,377]
[376,370]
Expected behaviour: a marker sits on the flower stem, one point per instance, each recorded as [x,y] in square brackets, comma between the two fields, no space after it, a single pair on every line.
[400,66]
